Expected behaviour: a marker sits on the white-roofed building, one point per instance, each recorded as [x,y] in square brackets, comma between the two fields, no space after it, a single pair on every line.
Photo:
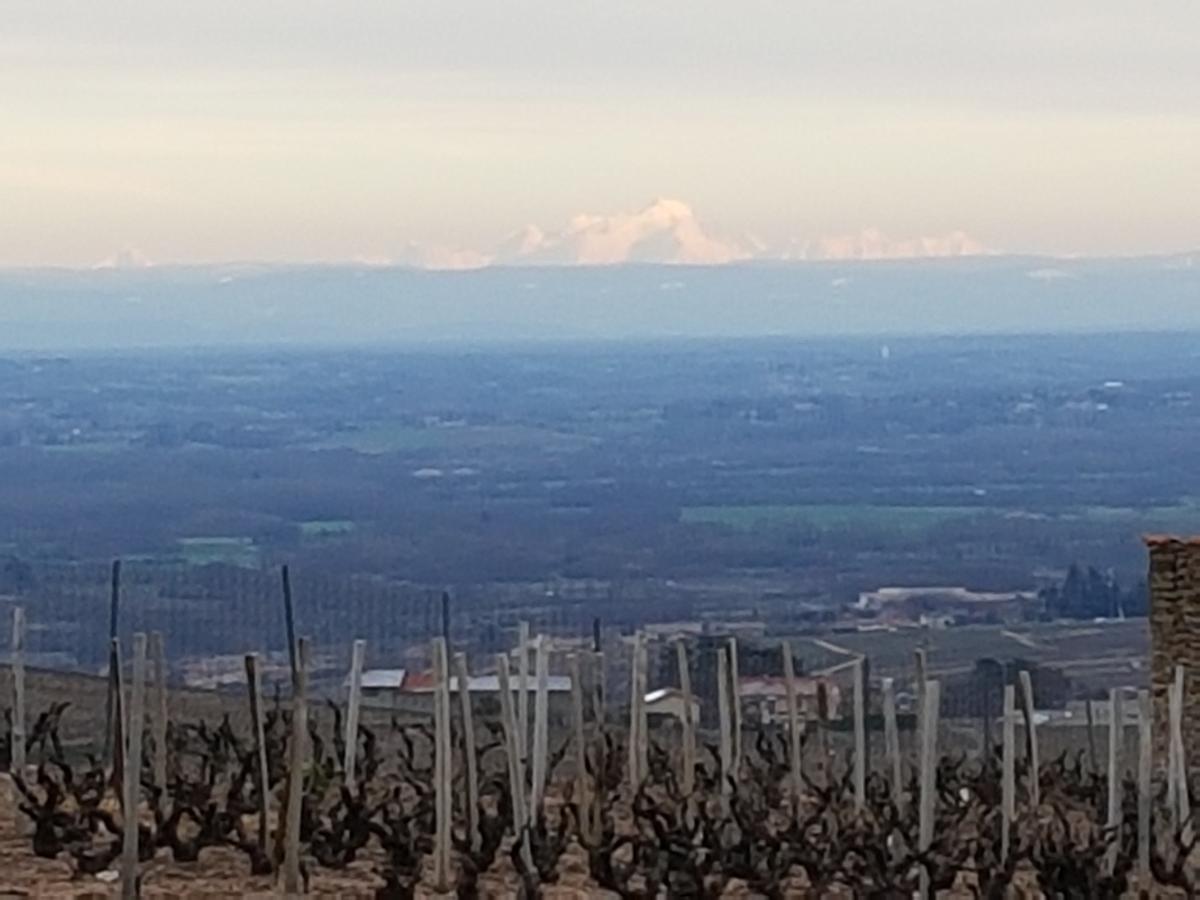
[670,702]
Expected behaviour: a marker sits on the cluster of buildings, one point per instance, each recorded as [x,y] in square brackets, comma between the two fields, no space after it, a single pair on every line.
[939,607]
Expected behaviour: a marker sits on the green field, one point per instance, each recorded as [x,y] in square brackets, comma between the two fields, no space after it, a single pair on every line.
[233,551]
[1093,653]
[1183,518]
[397,437]
[911,519]
[319,528]
[914,520]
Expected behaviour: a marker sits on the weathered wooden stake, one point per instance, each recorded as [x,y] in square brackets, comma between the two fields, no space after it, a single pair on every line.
[112,715]
[726,745]
[688,780]
[735,693]
[443,764]
[643,734]
[289,622]
[353,703]
[1035,787]
[1145,772]
[468,724]
[18,683]
[860,735]
[297,765]
[1091,736]
[891,737]
[516,763]
[1172,763]
[1179,776]
[635,716]
[582,788]
[793,714]
[158,659]
[132,781]
[929,734]
[1008,786]
[920,673]
[599,747]
[599,714]
[823,733]
[523,687]
[263,777]
[1116,748]
[541,726]
[118,719]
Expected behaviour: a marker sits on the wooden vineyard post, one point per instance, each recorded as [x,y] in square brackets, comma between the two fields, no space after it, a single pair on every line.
[17,762]
[599,714]
[112,713]
[541,726]
[1172,784]
[860,735]
[921,661]
[296,766]
[1116,748]
[18,683]
[443,764]
[159,661]
[1091,736]
[254,688]
[643,745]
[735,695]
[1008,787]
[468,724]
[516,764]
[920,667]
[1145,771]
[1035,787]
[931,696]
[289,622]
[599,747]
[823,733]
[726,746]
[635,715]
[891,736]
[793,713]
[582,788]
[1177,771]
[131,782]
[688,779]
[353,704]
[523,687]
[118,723]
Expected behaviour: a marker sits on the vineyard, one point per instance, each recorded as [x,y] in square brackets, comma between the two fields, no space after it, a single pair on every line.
[473,801]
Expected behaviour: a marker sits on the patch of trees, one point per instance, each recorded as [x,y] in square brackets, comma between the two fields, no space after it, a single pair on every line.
[1092,594]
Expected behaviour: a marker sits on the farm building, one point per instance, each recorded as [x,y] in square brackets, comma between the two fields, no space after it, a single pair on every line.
[406,691]
[764,697]
[670,703]
[951,604]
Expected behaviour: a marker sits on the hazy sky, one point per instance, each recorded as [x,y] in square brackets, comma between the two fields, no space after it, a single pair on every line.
[339,130]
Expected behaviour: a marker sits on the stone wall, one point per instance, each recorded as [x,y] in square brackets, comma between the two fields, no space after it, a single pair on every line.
[1175,632]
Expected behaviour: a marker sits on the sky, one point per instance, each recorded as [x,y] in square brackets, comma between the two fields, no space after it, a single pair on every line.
[438,133]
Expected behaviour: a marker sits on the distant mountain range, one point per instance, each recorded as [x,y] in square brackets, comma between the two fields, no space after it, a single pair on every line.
[53,309]
[668,231]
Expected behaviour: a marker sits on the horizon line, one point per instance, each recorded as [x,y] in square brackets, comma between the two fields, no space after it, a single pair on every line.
[746,263]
